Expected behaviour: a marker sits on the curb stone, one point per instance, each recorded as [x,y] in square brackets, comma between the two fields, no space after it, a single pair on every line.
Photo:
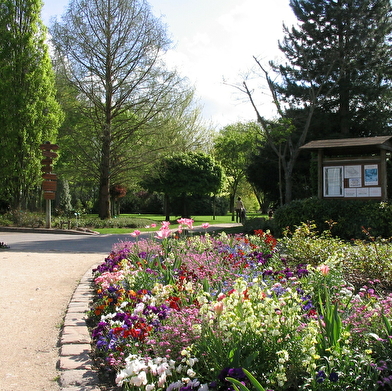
[75,364]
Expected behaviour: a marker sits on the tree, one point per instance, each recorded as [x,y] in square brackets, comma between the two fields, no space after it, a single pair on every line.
[232,148]
[111,54]
[263,173]
[29,112]
[349,40]
[65,203]
[184,174]
[328,68]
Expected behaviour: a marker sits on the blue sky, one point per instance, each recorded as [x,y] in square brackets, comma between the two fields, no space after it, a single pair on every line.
[215,40]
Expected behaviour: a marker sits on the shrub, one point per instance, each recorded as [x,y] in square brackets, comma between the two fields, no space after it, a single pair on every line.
[350,216]
[20,218]
[252,225]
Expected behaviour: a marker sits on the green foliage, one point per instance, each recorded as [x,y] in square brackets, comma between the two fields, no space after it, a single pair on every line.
[65,198]
[29,113]
[125,94]
[364,260]
[370,259]
[341,49]
[253,224]
[185,173]
[95,223]
[21,218]
[349,216]
[232,149]
[307,245]
[238,386]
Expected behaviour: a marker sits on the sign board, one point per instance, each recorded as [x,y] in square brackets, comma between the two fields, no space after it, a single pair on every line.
[52,177]
[49,195]
[49,154]
[49,185]
[48,146]
[47,169]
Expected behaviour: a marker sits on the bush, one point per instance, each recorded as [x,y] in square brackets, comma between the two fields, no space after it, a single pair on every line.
[252,225]
[350,216]
[21,218]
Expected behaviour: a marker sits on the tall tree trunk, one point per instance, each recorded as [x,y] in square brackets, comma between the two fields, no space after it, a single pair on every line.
[104,183]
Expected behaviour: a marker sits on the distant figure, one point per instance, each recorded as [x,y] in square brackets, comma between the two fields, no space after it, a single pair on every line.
[239,210]
[270,214]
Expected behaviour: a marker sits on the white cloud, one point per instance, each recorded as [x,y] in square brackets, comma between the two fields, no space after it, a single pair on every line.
[216,39]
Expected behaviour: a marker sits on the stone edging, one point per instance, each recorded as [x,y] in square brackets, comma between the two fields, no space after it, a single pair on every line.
[75,364]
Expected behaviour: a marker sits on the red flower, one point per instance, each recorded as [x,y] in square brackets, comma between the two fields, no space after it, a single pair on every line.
[173,300]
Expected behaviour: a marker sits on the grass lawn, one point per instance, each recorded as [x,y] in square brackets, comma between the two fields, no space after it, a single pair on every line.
[157,219]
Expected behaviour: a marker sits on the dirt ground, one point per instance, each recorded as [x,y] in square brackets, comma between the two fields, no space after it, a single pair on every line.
[35,290]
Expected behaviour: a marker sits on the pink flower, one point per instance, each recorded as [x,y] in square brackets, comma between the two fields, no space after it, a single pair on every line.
[163,233]
[218,307]
[188,222]
[324,269]
[135,233]
[165,224]
[153,225]
[205,225]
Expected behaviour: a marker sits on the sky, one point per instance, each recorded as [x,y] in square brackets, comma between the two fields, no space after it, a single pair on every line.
[214,45]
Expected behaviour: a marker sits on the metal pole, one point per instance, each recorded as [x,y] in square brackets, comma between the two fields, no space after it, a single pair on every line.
[48,214]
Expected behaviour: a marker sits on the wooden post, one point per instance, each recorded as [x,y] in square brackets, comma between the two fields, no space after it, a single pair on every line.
[49,184]
[320,185]
[383,175]
[48,213]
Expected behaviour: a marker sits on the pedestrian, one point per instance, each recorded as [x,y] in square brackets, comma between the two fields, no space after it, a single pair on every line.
[239,209]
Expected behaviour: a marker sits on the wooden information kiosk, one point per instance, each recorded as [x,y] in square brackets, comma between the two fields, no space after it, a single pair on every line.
[352,168]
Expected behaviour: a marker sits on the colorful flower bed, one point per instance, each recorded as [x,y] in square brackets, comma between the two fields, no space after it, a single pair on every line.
[187,313]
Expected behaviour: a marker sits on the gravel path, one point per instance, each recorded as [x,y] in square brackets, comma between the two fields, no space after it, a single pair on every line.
[35,289]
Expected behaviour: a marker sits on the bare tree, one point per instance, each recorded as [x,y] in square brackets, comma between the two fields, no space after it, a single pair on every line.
[284,138]
[111,52]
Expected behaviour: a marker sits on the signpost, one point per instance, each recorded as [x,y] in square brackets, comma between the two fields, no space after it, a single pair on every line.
[49,185]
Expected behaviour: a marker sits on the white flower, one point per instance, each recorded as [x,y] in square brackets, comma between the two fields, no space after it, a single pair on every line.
[190,372]
[139,380]
[162,380]
[139,308]
[192,361]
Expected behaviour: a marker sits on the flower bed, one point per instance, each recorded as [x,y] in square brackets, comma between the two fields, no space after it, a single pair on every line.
[187,313]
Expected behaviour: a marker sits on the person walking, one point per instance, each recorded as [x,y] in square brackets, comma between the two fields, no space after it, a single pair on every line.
[239,210]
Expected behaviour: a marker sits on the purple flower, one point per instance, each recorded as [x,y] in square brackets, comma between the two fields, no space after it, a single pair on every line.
[320,376]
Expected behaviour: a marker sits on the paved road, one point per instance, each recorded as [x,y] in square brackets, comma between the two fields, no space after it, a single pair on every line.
[63,243]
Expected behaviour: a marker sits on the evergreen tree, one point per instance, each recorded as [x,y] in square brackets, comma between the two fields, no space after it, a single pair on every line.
[65,203]
[29,113]
[349,41]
